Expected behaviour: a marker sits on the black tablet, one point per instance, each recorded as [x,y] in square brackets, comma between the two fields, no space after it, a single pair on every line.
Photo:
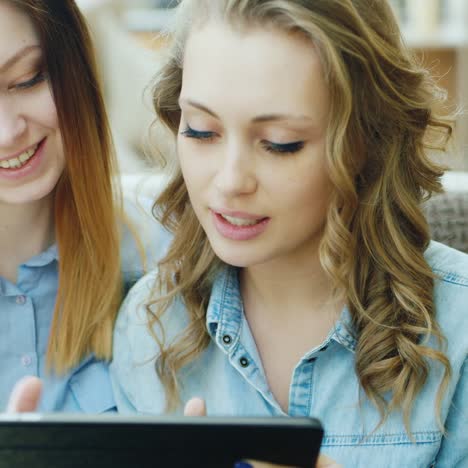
[61,441]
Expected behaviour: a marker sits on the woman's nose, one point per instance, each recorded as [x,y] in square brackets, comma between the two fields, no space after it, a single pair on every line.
[12,126]
[236,173]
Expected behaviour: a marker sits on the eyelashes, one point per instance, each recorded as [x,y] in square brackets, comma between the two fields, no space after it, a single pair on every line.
[191,133]
[37,79]
[286,148]
[275,148]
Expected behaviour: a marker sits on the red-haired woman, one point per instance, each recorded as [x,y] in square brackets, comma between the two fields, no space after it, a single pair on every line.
[61,278]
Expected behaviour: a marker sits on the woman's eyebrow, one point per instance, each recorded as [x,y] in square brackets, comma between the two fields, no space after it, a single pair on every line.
[198,106]
[18,56]
[280,117]
[257,119]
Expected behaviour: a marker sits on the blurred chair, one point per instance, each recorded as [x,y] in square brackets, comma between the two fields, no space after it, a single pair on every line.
[447,215]
[127,69]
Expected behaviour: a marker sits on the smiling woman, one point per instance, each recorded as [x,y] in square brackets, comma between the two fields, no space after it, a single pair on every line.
[29,121]
[60,269]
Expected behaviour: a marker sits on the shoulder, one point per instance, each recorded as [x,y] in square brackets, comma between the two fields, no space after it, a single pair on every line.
[130,331]
[136,346]
[132,308]
[451,296]
[450,265]
[144,241]
[135,332]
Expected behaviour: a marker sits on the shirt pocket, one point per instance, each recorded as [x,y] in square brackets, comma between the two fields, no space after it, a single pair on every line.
[393,450]
[91,388]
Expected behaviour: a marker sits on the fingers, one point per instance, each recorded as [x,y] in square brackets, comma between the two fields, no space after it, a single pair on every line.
[322,462]
[326,462]
[195,407]
[257,464]
[25,395]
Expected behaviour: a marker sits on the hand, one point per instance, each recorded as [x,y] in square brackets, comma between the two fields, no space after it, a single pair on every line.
[197,407]
[25,395]
[326,462]
[322,462]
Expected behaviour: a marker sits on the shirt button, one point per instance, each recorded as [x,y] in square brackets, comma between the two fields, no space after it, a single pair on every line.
[244,362]
[26,361]
[227,339]
[20,300]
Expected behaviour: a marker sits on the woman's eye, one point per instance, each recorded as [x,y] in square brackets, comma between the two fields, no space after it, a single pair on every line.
[39,78]
[191,133]
[283,148]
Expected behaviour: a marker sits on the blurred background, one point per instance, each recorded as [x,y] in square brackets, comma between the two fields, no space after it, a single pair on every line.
[130,40]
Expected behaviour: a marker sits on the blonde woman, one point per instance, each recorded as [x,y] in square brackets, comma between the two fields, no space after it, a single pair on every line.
[301,279]
[62,251]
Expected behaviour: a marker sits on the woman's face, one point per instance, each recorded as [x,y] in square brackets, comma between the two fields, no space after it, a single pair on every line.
[31,153]
[252,140]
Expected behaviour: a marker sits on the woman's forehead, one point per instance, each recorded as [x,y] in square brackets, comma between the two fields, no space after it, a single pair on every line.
[17,33]
[269,70]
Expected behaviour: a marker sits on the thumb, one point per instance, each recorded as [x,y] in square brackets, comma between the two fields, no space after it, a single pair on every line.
[195,407]
[326,462]
[25,395]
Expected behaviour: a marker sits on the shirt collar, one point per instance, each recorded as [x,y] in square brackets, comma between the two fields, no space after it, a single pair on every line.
[344,332]
[225,312]
[44,258]
[225,309]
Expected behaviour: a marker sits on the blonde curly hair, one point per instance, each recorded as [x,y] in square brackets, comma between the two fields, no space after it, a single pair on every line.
[381,130]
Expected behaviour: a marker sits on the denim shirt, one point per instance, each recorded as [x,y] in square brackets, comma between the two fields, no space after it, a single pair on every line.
[26,311]
[229,374]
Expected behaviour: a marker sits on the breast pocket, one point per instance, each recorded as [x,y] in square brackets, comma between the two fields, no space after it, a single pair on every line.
[390,450]
[91,388]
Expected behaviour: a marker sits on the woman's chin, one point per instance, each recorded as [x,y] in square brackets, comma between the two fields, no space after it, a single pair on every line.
[241,256]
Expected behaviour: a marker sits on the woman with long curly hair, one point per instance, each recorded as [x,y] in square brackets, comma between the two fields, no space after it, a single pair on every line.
[301,279]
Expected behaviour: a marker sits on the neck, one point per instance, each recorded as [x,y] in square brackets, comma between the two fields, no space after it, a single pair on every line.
[25,231]
[296,284]
[290,310]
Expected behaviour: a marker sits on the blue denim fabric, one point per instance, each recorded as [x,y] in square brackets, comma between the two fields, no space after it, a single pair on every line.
[229,375]
[26,310]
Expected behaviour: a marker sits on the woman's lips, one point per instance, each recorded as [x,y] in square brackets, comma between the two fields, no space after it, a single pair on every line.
[242,227]
[14,173]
